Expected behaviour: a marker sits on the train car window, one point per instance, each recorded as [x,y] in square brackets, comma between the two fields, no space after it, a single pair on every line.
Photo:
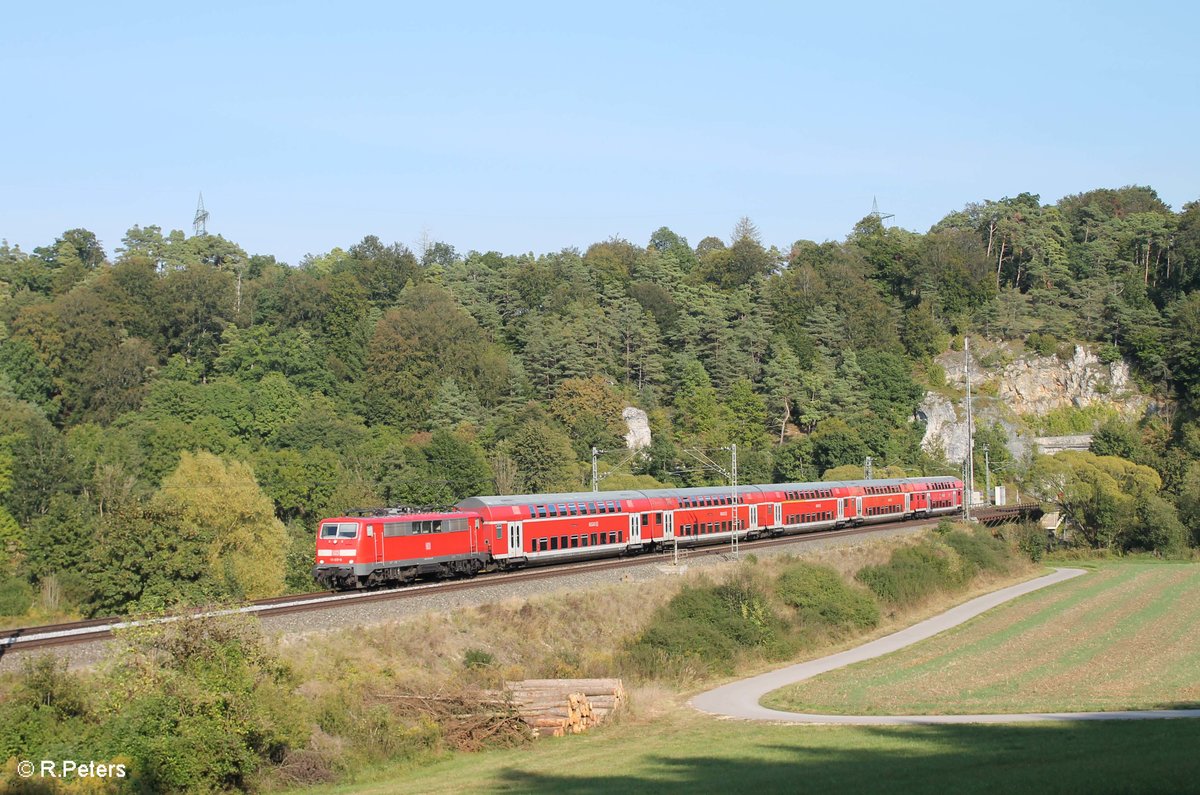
[645,520]
[499,532]
[562,509]
[594,541]
[571,509]
[392,529]
[658,518]
[612,538]
[562,542]
[591,507]
[541,511]
[601,507]
[613,507]
[554,542]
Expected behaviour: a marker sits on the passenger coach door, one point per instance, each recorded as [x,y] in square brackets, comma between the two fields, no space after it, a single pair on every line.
[515,538]
[668,525]
[778,514]
[635,528]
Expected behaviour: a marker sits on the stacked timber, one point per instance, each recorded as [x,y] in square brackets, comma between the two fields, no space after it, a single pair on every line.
[556,707]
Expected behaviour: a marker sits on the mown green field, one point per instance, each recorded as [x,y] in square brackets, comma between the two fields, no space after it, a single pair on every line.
[1125,636]
[687,752]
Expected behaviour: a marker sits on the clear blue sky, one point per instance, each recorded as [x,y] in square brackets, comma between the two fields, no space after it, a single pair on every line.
[530,127]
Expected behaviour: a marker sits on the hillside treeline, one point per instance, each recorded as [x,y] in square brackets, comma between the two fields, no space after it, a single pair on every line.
[175,414]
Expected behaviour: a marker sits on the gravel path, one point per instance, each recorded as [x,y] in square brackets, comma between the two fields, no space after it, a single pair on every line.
[740,699]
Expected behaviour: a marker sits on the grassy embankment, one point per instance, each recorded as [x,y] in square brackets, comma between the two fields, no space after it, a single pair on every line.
[1127,636]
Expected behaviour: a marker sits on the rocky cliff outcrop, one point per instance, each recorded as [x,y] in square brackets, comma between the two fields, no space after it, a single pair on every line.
[639,428]
[1027,385]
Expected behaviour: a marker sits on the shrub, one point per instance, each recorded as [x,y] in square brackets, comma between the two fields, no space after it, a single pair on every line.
[706,626]
[16,596]
[1108,353]
[1032,540]
[478,658]
[200,705]
[820,596]
[1042,344]
[980,549]
[912,574]
[43,713]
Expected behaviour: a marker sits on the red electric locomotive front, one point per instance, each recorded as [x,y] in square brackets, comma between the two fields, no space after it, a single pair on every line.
[397,546]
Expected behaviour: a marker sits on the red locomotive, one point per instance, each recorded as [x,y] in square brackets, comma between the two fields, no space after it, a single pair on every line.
[399,545]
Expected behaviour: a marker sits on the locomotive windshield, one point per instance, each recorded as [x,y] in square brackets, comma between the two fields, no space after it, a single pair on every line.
[339,530]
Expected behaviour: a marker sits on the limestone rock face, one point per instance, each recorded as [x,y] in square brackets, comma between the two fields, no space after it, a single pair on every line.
[1030,385]
[639,428]
[1040,384]
[943,429]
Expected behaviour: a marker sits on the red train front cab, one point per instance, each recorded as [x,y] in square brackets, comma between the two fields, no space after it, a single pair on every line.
[397,547]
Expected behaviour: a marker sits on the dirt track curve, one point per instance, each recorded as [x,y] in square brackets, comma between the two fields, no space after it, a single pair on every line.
[740,699]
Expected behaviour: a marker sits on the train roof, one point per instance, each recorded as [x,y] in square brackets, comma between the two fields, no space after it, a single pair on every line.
[547,499]
[498,501]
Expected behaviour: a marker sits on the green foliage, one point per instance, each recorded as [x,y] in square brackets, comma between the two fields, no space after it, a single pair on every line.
[425,339]
[193,706]
[478,658]
[1108,502]
[820,596]
[836,444]
[544,459]
[980,551]
[220,500]
[914,573]
[200,705]
[1042,344]
[707,626]
[1032,540]
[16,595]
[1069,420]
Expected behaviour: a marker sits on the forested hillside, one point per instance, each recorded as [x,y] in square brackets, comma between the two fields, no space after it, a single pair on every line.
[175,414]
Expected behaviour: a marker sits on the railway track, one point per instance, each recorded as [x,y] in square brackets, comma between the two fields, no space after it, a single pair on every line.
[77,632]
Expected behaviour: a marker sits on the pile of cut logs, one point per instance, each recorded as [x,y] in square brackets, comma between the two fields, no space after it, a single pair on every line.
[556,707]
